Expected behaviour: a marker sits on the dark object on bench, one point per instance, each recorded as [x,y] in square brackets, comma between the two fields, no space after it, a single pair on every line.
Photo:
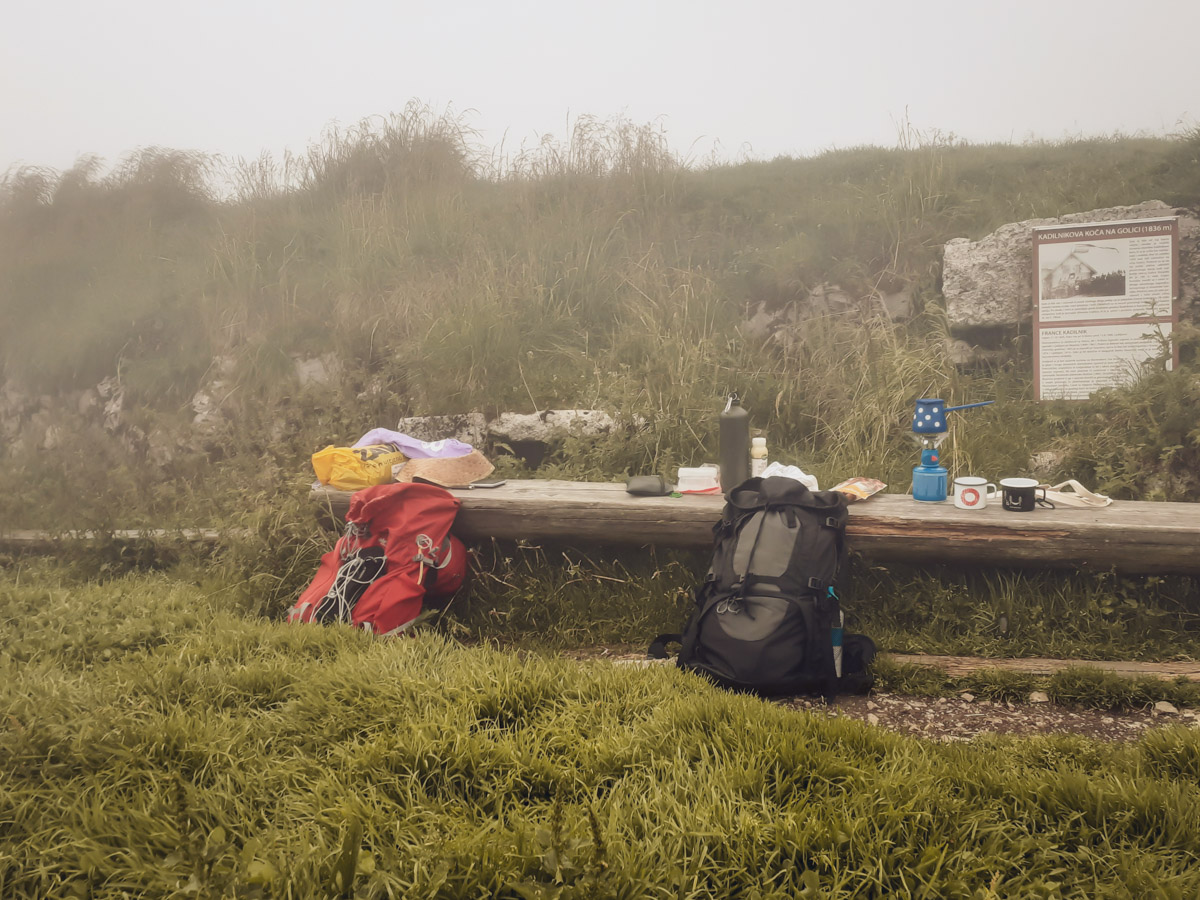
[647,486]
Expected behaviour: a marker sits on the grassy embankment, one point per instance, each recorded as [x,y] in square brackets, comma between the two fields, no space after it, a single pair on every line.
[601,272]
[156,742]
[158,736]
[598,272]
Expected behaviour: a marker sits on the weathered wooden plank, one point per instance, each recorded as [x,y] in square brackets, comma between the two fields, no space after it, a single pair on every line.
[1128,536]
[45,541]
[964,665]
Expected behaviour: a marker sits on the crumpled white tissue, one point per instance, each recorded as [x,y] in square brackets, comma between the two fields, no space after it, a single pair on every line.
[793,472]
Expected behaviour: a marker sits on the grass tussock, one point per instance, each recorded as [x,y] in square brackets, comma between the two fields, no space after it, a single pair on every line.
[200,753]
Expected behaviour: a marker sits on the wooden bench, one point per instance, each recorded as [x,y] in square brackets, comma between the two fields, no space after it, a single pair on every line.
[1128,536]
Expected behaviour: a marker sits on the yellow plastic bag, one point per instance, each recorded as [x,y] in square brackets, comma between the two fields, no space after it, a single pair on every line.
[352,468]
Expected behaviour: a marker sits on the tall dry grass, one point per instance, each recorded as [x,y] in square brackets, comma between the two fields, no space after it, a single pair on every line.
[596,270]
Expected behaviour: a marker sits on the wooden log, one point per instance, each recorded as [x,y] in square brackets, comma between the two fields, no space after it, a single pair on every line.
[964,665]
[1128,536]
[28,541]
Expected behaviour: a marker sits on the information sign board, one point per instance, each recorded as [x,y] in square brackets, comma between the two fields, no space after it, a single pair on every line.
[1105,299]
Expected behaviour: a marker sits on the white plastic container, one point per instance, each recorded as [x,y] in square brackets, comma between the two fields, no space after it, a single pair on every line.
[699,480]
[758,456]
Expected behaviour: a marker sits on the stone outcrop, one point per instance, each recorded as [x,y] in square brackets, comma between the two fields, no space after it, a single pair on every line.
[540,427]
[988,284]
[317,371]
[550,424]
[112,395]
[528,435]
[470,428]
[207,412]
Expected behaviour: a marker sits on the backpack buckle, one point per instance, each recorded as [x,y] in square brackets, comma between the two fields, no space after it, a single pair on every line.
[831,522]
[729,605]
[815,584]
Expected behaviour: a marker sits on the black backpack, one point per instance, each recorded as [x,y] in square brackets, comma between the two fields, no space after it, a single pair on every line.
[766,609]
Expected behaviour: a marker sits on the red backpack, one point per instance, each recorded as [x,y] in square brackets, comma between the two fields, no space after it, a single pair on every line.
[397,550]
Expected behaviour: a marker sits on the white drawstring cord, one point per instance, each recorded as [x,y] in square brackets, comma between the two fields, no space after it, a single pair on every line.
[353,573]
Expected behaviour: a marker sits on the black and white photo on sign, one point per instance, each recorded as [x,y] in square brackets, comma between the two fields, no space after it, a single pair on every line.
[1083,269]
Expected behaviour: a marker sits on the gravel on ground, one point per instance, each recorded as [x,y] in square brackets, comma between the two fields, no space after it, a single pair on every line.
[963,717]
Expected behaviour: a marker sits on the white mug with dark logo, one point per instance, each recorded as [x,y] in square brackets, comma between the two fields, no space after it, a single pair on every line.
[971,492]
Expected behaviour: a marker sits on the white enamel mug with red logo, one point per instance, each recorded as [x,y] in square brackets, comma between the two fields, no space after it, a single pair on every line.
[971,492]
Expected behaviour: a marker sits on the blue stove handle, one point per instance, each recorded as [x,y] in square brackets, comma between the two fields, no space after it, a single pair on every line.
[968,406]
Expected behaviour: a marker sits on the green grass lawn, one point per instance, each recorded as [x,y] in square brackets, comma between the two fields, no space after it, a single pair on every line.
[156,741]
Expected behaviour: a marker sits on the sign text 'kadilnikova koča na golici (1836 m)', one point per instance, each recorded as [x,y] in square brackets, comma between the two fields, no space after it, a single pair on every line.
[1105,301]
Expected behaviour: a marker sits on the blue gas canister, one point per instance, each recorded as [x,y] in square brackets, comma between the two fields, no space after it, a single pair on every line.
[929,478]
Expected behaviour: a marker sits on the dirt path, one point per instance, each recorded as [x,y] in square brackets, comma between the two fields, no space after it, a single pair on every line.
[963,665]
[959,719]
[964,717]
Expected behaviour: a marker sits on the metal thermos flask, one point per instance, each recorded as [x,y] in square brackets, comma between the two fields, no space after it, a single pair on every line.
[735,444]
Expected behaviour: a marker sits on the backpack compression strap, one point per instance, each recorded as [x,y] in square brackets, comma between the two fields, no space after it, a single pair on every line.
[820,644]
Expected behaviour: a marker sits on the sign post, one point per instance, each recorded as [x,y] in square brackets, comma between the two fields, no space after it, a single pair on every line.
[1104,303]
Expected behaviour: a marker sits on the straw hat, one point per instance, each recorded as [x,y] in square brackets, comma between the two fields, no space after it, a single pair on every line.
[456,471]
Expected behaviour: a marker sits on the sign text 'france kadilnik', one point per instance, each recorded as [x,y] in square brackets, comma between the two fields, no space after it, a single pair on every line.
[1104,303]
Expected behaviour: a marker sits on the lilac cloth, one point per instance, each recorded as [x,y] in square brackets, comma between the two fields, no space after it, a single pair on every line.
[414,449]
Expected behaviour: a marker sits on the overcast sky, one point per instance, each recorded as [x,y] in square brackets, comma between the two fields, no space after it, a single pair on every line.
[758,78]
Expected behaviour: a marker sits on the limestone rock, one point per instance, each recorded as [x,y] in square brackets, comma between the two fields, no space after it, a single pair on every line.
[470,428]
[318,371]
[113,395]
[962,354]
[133,440]
[88,402]
[830,299]
[41,431]
[550,424]
[761,323]
[15,405]
[374,387]
[1045,464]
[783,323]
[989,283]
[207,402]
[1163,708]
[206,410]
[55,437]
[161,447]
[1039,697]
[898,305]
